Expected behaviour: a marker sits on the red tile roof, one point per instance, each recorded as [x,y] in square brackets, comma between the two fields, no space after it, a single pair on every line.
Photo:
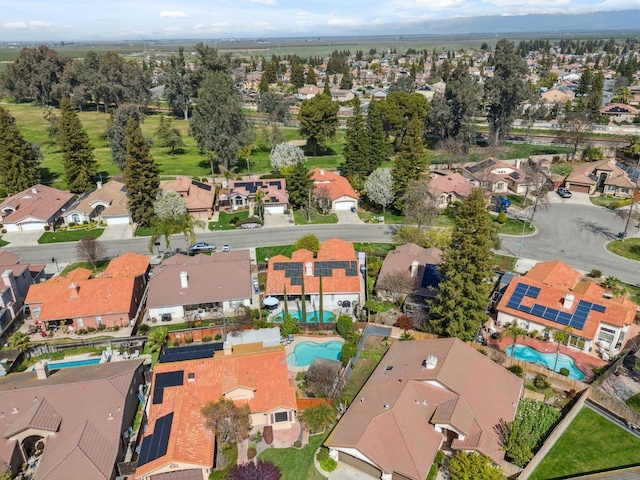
[190,441]
[40,201]
[337,185]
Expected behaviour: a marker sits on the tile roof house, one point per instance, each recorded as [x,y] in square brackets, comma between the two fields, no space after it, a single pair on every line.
[275,200]
[200,196]
[449,188]
[553,295]
[619,111]
[185,285]
[111,299]
[603,176]
[17,278]
[335,262]
[107,202]
[423,395]
[78,417]
[340,191]
[417,264]
[177,438]
[497,176]
[34,208]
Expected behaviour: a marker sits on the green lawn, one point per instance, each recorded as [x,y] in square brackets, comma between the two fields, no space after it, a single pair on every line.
[505,262]
[262,253]
[630,248]
[389,217]
[224,221]
[144,231]
[524,150]
[296,464]
[513,226]
[3,243]
[369,359]
[562,168]
[634,402]
[100,267]
[518,200]
[300,217]
[69,235]
[444,220]
[591,443]
[634,291]
[379,248]
[604,200]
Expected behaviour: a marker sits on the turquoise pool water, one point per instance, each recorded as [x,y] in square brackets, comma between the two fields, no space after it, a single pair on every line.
[304,352]
[531,355]
[312,317]
[73,363]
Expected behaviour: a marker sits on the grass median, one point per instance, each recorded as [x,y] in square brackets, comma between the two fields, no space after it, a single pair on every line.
[629,248]
[69,235]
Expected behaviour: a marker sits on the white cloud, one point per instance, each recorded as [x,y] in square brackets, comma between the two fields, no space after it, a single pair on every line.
[343,22]
[221,25]
[302,13]
[258,25]
[171,29]
[265,2]
[198,26]
[429,4]
[14,25]
[38,24]
[304,23]
[173,14]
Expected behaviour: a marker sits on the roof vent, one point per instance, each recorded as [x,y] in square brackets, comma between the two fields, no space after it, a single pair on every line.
[388,367]
[430,362]
[110,416]
[308,269]
[568,301]
[184,280]
[386,406]
[414,269]
[424,402]
[15,410]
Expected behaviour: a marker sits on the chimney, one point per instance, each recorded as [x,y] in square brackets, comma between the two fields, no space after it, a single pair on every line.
[414,269]
[42,370]
[99,184]
[322,171]
[184,280]
[568,301]
[308,269]
[10,281]
[429,363]
[74,290]
[34,190]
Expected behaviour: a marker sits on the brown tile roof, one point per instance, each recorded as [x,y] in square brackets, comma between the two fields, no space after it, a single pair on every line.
[403,256]
[397,406]
[451,183]
[339,282]
[197,198]
[616,177]
[337,185]
[112,193]
[190,441]
[216,278]
[39,202]
[560,279]
[75,403]
[275,189]
[8,259]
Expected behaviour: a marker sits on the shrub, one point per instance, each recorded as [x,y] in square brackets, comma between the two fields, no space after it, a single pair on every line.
[257,437]
[234,220]
[251,452]
[541,382]
[297,444]
[517,370]
[47,228]
[502,217]
[564,371]
[72,224]
[188,339]
[322,454]
[143,328]
[620,203]
[349,350]
[176,342]
[345,327]
[595,273]
[406,336]
[404,322]
[534,333]
[328,464]
[244,221]
[206,338]
[308,242]
[267,434]
[218,336]
[91,329]
[82,331]
[4,230]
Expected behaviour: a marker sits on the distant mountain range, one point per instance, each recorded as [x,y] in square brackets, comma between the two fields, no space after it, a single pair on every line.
[558,23]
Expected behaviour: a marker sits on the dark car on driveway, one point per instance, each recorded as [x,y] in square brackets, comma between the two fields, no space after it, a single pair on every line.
[564,192]
[202,247]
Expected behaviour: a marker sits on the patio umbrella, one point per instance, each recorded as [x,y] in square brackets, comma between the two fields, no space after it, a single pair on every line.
[270,301]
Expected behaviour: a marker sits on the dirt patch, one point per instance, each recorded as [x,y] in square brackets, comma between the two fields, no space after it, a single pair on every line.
[298,143]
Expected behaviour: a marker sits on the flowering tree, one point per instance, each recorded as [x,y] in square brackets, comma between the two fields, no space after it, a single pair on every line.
[258,471]
[379,187]
[286,155]
[169,205]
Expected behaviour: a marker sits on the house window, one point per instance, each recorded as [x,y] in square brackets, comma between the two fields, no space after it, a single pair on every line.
[36,312]
[191,376]
[281,417]
[80,323]
[239,201]
[75,218]
[98,319]
[606,334]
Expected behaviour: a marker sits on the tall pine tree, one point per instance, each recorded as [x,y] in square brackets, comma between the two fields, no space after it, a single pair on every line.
[78,160]
[298,184]
[379,147]
[463,293]
[411,160]
[140,176]
[356,149]
[19,160]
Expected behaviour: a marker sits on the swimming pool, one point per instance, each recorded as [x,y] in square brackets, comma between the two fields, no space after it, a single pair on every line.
[312,317]
[73,363]
[531,355]
[304,352]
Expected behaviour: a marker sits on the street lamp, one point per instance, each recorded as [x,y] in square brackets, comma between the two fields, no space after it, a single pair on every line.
[55,260]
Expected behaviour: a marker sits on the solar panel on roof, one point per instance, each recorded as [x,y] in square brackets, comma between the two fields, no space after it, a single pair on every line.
[155,445]
[201,185]
[599,308]
[430,277]
[513,304]
[164,380]
[533,292]
[525,309]
[481,166]
[550,314]
[564,318]
[191,352]
[521,288]
[538,310]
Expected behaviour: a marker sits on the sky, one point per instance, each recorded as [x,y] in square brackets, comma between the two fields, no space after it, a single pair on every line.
[77,20]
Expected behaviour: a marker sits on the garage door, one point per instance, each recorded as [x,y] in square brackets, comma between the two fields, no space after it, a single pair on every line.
[579,188]
[118,220]
[274,209]
[359,464]
[345,205]
[32,226]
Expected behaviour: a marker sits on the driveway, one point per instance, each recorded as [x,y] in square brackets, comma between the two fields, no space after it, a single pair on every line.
[275,220]
[576,199]
[116,232]
[348,217]
[347,472]
[21,239]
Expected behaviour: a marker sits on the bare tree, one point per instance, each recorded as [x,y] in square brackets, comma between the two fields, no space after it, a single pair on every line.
[323,198]
[396,284]
[574,129]
[91,250]
[419,205]
[321,377]
[230,423]
[453,150]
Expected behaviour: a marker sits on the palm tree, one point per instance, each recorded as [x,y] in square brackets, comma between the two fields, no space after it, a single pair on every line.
[156,339]
[260,202]
[514,331]
[560,337]
[162,229]
[318,418]
[20,341]
[187,225]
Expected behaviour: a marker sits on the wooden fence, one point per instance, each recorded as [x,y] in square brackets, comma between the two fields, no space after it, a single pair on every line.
[613,405]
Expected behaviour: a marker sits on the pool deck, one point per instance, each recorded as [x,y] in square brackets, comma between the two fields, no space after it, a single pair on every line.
[307,338]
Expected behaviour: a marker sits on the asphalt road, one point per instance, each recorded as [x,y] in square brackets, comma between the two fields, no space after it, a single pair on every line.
[577,234]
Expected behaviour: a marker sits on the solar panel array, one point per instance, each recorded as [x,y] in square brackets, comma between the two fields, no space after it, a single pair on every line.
[430,277]
[191,352]
[326,268]
[575,320]
[292,271]
[201,185]
[634,173]
[481,166]
[164,380]
[155,445]
[252,187]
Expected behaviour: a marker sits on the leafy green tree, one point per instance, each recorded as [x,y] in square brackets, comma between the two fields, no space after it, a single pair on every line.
[19,160]
[346,83]
[297,75]
[318,121]
[179,87]
[308,242]
[170,137]
[473,466]
[320,417]
[263,86]
[116,133]
[505,90]
[288,326]
[78,160]
[311,76]
[379,147]
[140,176]
[349,350]
[398,110]
[458,309]
[156,339]
[357,146]
[462,94]
[218,123]
[274,105]
[345,327]
[230,423]
[299,184]
[410,162]
[270,72]
[513,330]
[20,341]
